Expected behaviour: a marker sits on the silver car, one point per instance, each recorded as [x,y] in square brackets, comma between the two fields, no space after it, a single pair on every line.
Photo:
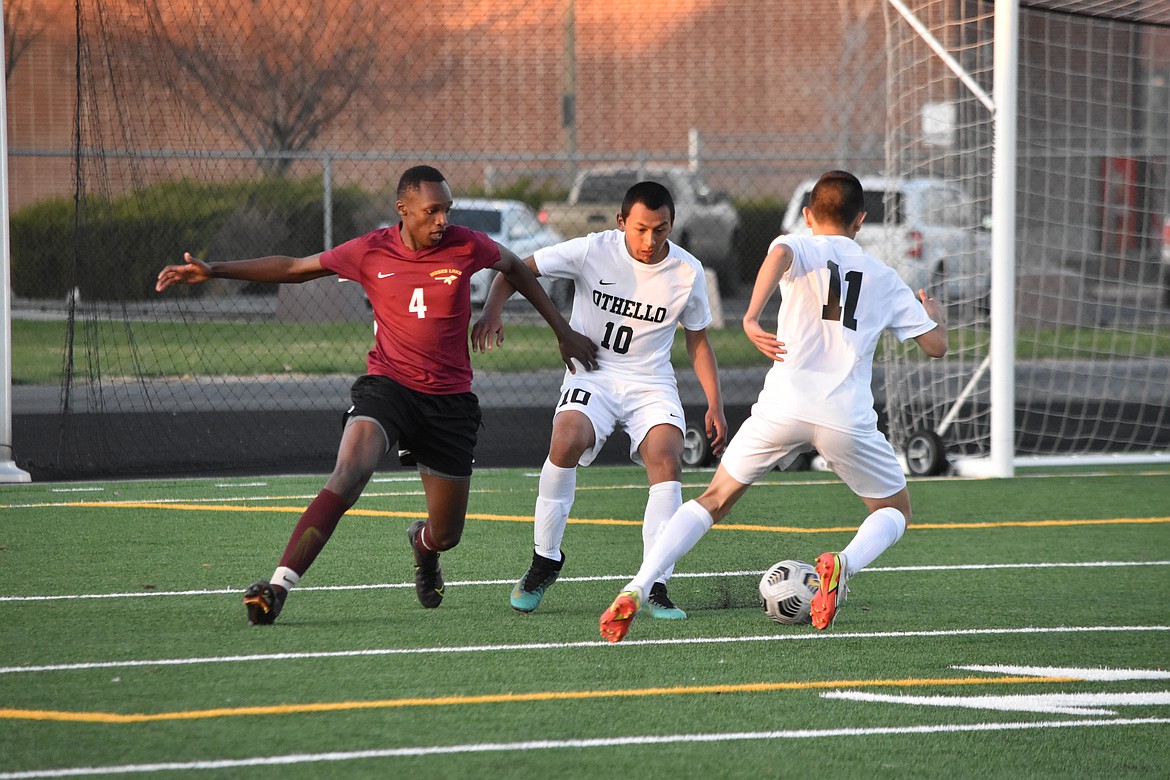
[927,229]
[513,224]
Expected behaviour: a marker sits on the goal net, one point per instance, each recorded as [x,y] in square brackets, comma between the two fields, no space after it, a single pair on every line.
[1092,364]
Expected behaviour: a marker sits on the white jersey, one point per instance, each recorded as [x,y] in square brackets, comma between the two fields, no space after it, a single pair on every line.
[629,309]
[835,302]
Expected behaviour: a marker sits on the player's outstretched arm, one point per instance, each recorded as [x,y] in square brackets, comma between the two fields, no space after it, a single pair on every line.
[934,342]
[767,278]
[574,346]
[277,268]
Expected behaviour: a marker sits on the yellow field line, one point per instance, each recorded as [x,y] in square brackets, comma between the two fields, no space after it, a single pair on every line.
[505,698]
[611,521]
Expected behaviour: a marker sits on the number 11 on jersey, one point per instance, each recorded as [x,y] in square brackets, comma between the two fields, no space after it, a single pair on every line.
[832,308]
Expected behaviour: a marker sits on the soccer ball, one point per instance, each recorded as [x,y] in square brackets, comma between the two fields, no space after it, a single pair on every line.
[786,591]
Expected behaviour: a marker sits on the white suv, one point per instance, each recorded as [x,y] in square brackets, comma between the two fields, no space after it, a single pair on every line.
[513,224]
[927,229]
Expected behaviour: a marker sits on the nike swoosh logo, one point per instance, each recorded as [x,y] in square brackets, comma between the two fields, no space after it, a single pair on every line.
[383,276]
[607,283]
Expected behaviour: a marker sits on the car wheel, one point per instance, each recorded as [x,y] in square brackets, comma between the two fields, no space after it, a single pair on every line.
[696,448]
[926,454]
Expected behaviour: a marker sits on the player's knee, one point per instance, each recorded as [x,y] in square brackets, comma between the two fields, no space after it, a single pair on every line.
[348,482]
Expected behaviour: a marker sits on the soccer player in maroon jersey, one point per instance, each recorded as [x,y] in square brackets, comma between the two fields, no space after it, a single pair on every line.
[417,392]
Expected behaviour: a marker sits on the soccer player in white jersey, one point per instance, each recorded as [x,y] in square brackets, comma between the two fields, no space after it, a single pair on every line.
[835,302]
[633,288]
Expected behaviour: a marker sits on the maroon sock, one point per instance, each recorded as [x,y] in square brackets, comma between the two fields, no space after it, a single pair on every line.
[313,531]
[421,542]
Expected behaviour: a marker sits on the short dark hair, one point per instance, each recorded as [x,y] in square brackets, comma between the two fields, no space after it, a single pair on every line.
[650,194]
[837,198]
[413,177]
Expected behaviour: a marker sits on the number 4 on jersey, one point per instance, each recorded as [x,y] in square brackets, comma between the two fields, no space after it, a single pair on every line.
[416,303]
[832,308]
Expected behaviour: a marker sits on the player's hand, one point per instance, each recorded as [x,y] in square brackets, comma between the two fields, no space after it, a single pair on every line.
[765,342]
[934,309]
[716,423]
[192,271]
[579,347]
[488,328]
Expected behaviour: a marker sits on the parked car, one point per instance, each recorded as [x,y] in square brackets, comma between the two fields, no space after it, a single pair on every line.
[513,224]
[927,229]
[706,222]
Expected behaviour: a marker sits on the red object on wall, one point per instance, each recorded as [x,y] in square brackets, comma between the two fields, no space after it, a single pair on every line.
[1120,205]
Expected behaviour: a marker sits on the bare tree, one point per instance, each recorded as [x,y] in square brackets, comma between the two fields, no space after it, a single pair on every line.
[274,74]
[21,28]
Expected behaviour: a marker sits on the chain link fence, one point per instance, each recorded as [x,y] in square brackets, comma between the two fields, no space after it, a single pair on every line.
[143,129]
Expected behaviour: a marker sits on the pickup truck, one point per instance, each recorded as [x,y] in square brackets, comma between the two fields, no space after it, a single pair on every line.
[925,228]
[706,223]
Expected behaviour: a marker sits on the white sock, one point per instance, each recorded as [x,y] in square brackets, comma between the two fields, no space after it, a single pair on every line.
[284,577]
[683,532]
[878,533]
[665,499]
[555,499]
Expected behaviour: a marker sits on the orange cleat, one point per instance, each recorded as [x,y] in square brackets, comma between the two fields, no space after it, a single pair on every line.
[616,620]
[831,569]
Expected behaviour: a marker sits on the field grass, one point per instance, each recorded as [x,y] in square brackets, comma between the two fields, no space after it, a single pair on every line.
[174,349]
[963,651]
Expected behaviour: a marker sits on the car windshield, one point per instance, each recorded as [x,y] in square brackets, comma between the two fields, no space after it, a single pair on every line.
[483,220]
[606,188]
[877,204]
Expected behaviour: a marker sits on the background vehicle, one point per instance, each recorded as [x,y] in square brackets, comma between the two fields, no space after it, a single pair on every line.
[706,223]
[928,230]
[513,224]
[1166,261]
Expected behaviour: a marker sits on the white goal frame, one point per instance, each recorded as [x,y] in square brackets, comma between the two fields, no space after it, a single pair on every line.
[1003,109]
[9,471]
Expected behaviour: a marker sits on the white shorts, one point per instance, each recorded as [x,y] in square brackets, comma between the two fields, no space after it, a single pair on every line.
[866,462]
[610,403]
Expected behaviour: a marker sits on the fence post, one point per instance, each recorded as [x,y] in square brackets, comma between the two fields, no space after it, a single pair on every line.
[327,197]
[694,149]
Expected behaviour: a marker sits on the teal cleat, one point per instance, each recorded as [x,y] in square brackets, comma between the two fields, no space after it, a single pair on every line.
[659,605]
[529,591]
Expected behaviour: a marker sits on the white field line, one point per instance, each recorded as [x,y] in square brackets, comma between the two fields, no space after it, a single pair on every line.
[598,578]
[460,649]
[577,744]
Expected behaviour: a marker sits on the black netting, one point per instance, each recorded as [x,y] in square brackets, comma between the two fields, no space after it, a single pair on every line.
[142,129]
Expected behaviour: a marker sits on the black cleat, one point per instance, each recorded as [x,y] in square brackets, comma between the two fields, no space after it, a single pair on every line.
[264,602]
[428,574]
[528,592]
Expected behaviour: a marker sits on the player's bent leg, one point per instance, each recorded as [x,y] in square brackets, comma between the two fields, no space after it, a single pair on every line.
[362,445]
[615,621]
[428,574]
[446,514]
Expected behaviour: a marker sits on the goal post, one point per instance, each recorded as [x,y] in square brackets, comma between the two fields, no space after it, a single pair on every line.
[9,471]
[1003,245]
[1069,166]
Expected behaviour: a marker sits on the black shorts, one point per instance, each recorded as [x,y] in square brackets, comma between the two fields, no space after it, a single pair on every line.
[439,430]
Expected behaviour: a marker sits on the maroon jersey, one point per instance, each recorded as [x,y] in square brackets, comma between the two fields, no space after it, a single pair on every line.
[421,301]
